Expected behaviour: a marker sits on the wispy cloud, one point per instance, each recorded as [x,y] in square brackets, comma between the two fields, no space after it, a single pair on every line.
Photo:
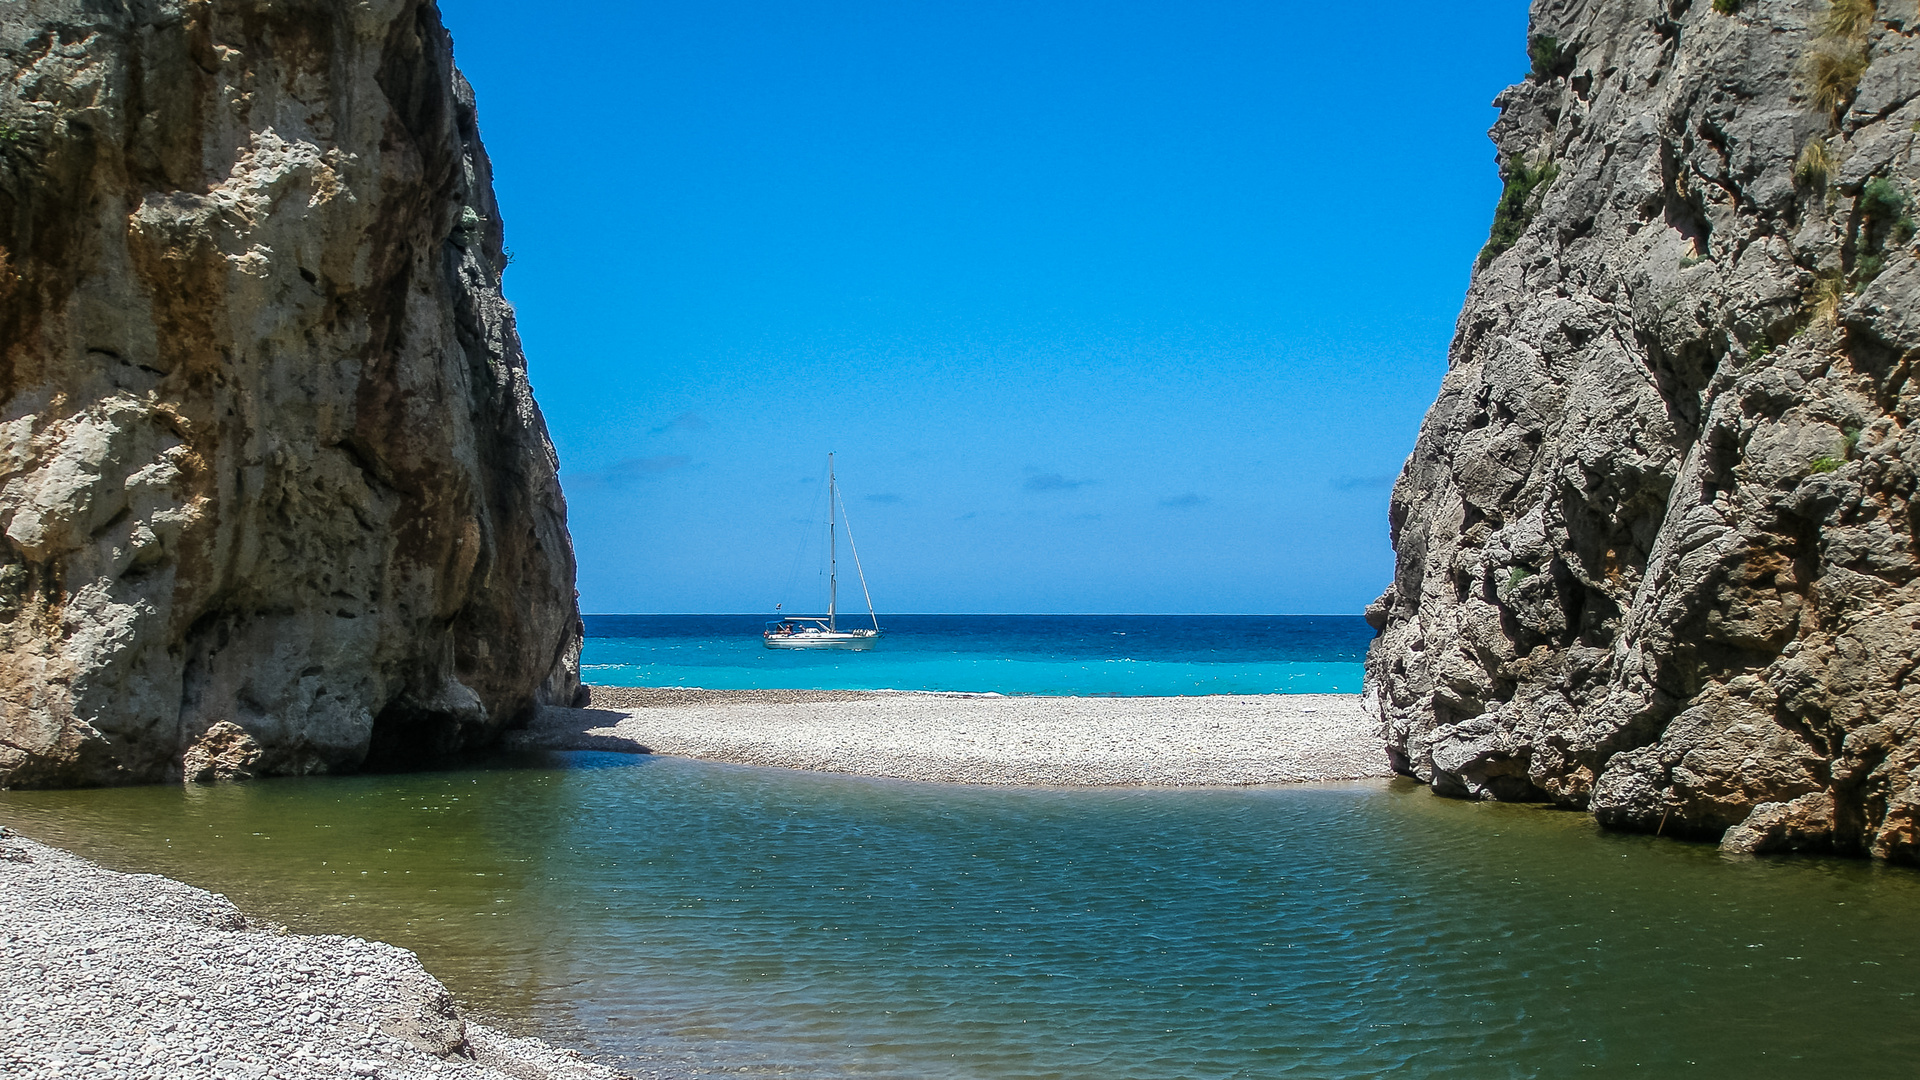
[686,421]
[1053,481]
[630,470]
[1362,483]
[1184,502]
[886,498]
[650,466]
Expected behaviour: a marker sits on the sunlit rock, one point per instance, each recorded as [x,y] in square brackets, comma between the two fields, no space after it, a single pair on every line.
[1656,542]
[275,493]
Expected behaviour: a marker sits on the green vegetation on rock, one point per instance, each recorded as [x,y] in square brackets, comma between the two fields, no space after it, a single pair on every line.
[1882,221]
[1883,203]
[1550,58]
[1516,208]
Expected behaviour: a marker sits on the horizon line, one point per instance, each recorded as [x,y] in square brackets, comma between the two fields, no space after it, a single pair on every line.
[1128,614]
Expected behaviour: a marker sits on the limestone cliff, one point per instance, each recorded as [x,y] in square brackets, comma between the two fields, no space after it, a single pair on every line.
[275,494]
[1657,540]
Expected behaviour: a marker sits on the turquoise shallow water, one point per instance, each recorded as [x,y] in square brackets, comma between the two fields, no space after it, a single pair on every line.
[1123,655]
[718,920]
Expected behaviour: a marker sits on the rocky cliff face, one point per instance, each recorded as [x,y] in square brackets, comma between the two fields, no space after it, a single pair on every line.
[275,494]
[1657,540]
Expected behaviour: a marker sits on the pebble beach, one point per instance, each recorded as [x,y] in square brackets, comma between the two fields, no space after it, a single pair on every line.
[139,977]
[985,738]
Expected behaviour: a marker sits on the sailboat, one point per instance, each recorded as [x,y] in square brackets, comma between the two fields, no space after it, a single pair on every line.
[807,632]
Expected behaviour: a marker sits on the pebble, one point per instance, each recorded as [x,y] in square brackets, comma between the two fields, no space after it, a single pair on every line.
[140,977]
[986,739]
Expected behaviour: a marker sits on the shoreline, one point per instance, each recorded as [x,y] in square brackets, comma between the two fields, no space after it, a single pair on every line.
[141,977]
[1029,741]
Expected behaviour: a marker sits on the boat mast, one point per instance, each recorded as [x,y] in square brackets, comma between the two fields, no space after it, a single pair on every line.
[833,553]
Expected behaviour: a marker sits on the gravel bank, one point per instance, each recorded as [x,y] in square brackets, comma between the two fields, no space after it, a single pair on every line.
[104,974]
[974,739]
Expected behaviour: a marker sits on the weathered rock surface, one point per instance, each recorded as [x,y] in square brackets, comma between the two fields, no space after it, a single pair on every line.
[275,494]
[1656,542]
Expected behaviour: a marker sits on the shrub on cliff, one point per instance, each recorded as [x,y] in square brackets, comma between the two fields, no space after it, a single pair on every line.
[1814,164]
[1550,58]
[1832,71]
[1883,203]
[1881,222]
[1517,205]
[1848,19]
[1824,299]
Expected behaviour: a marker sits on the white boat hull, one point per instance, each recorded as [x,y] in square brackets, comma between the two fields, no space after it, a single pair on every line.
[822,639]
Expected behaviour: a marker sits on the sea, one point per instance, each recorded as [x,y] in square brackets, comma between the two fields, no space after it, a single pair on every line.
[1085,655]
[700,920]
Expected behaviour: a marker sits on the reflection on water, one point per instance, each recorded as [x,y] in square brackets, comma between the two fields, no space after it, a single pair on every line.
[763,922]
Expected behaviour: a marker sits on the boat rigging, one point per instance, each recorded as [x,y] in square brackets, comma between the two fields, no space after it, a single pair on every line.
[808,632]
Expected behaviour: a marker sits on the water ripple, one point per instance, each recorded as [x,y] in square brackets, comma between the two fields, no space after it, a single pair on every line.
[705,920]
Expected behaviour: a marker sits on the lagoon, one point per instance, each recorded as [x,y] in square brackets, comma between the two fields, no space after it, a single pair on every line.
[696,919]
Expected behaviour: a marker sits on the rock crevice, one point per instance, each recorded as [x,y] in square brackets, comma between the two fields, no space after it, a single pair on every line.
[274,492]
[1657,539]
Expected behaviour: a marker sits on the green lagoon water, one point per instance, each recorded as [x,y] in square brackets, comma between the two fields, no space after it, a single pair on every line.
[711,920]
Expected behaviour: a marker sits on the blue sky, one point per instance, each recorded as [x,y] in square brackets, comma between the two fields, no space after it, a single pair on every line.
[1127,307]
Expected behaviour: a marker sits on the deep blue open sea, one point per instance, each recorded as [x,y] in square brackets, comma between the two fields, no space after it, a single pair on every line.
[1089,655]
